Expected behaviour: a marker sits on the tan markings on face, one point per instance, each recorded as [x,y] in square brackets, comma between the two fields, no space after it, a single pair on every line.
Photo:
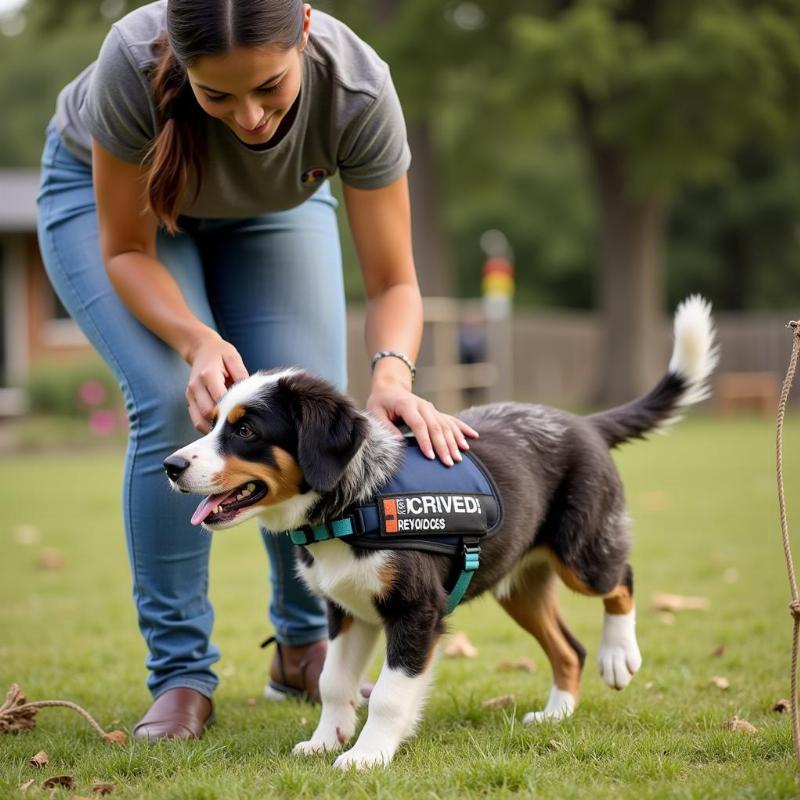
[619,601]
[535,609]
[214,416]
[235,414]
[282,480]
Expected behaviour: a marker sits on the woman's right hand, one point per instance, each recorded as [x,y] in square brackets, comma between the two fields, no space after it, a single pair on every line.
[216,366]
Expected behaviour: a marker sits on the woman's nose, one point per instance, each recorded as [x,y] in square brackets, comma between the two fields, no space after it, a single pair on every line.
[249,116]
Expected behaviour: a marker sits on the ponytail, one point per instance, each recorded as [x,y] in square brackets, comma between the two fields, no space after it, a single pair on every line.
[176,155]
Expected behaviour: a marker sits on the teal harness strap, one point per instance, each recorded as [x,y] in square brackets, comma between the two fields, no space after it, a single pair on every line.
[340,528]
[472,557]
[320,533]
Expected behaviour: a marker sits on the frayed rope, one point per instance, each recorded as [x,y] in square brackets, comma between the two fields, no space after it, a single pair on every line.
[18,715]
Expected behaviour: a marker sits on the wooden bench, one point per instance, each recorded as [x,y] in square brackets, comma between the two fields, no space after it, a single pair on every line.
[747,391]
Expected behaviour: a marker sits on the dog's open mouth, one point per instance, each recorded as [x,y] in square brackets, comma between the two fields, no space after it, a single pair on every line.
[225,506]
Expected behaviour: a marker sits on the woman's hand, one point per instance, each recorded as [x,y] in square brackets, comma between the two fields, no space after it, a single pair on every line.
[390,402]
[216,366]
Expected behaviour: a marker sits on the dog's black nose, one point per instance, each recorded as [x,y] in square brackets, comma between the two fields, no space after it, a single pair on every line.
[175,465]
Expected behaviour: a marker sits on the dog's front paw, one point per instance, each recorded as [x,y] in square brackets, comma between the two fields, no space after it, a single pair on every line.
[560,704]
[361,758]
[619,658]
[322,742]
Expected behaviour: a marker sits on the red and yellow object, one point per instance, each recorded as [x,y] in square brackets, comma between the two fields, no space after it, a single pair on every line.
[498,277]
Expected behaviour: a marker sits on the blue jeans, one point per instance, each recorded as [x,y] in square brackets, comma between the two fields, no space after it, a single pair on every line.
[272,286]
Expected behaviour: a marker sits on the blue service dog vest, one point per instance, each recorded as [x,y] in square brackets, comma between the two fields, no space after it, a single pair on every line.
[425,506]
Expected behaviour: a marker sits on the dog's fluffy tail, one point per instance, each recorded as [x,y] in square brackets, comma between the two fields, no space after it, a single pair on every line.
[694,356]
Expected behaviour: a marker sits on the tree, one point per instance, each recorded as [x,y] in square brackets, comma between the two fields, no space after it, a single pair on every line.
[664,94]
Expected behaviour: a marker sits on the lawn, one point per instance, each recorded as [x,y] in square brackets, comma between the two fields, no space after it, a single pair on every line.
[706,523]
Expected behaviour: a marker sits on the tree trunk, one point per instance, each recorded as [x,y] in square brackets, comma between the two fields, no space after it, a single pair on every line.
[431,248]
[630,283]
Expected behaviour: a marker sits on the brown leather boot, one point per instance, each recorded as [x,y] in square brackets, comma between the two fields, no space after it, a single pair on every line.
[295,670]
[179,713]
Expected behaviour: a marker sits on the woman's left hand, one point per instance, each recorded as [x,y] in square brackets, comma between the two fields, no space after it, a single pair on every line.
[437,434]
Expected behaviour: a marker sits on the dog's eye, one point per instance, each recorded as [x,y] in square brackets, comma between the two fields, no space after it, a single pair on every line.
[245,431]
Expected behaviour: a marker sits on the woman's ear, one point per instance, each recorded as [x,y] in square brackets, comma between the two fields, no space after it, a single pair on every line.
[306,26]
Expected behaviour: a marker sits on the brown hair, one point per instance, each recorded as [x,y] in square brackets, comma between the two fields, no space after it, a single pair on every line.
[197,28]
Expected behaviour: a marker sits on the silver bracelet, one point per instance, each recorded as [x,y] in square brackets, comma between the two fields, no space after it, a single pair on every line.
[402,356]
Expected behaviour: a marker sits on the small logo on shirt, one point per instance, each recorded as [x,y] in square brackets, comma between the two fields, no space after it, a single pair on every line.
[313,177]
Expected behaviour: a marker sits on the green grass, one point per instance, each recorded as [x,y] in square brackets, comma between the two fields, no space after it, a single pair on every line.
[706,523]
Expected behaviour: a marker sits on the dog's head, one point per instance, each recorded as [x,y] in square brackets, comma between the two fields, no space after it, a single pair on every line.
[278,440]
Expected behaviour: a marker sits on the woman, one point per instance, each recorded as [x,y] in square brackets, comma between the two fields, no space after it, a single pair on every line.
[187,224]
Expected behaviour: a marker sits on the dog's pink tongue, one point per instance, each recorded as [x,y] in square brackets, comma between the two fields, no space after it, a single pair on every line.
[208,504]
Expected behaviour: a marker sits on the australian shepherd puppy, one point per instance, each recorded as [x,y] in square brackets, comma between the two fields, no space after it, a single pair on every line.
[289,448]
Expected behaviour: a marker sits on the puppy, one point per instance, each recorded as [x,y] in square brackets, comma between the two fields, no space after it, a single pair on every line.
[290,449]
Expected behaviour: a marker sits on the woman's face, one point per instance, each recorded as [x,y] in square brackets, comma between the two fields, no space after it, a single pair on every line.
[250,89]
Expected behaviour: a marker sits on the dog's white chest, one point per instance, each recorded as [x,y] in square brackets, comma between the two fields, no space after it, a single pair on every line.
[352,583]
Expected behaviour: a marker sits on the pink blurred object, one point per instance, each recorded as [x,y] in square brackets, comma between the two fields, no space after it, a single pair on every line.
[102,422]
[92,392]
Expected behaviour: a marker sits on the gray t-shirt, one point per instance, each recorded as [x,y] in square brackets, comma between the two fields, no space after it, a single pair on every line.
[348,119]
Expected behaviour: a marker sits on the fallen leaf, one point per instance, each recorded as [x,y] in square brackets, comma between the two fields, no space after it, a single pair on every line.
[41,759]
[720,682]
[782,706]
[50,559]
[731,575]
[667,618]
[718,651]
[116,737]
[228,671]
[662,601]
[67,781]
[26,534]
[523,664]
[503,701]
[555,744]
[102,788]
[23,787]
[251,701]
[739,725]
[460,646]
[649,685]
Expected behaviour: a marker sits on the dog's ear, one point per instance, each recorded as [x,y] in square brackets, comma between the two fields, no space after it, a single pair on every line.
[329,429]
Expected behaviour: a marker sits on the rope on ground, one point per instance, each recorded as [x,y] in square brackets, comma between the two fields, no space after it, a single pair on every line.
[794,606]
[17,715]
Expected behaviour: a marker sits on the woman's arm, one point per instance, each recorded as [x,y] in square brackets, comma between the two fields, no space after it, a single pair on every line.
[380,221]
[128,246]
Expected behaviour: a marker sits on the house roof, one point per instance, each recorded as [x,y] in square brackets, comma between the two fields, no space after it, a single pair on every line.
[18,189]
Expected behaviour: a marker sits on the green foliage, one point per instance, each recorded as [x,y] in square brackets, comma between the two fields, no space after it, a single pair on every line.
[679,88]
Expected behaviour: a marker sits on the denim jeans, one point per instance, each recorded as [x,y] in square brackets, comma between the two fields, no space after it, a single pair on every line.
[272,286]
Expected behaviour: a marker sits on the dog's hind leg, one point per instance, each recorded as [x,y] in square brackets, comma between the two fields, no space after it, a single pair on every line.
[619,657]
[352,643]
[533,605]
